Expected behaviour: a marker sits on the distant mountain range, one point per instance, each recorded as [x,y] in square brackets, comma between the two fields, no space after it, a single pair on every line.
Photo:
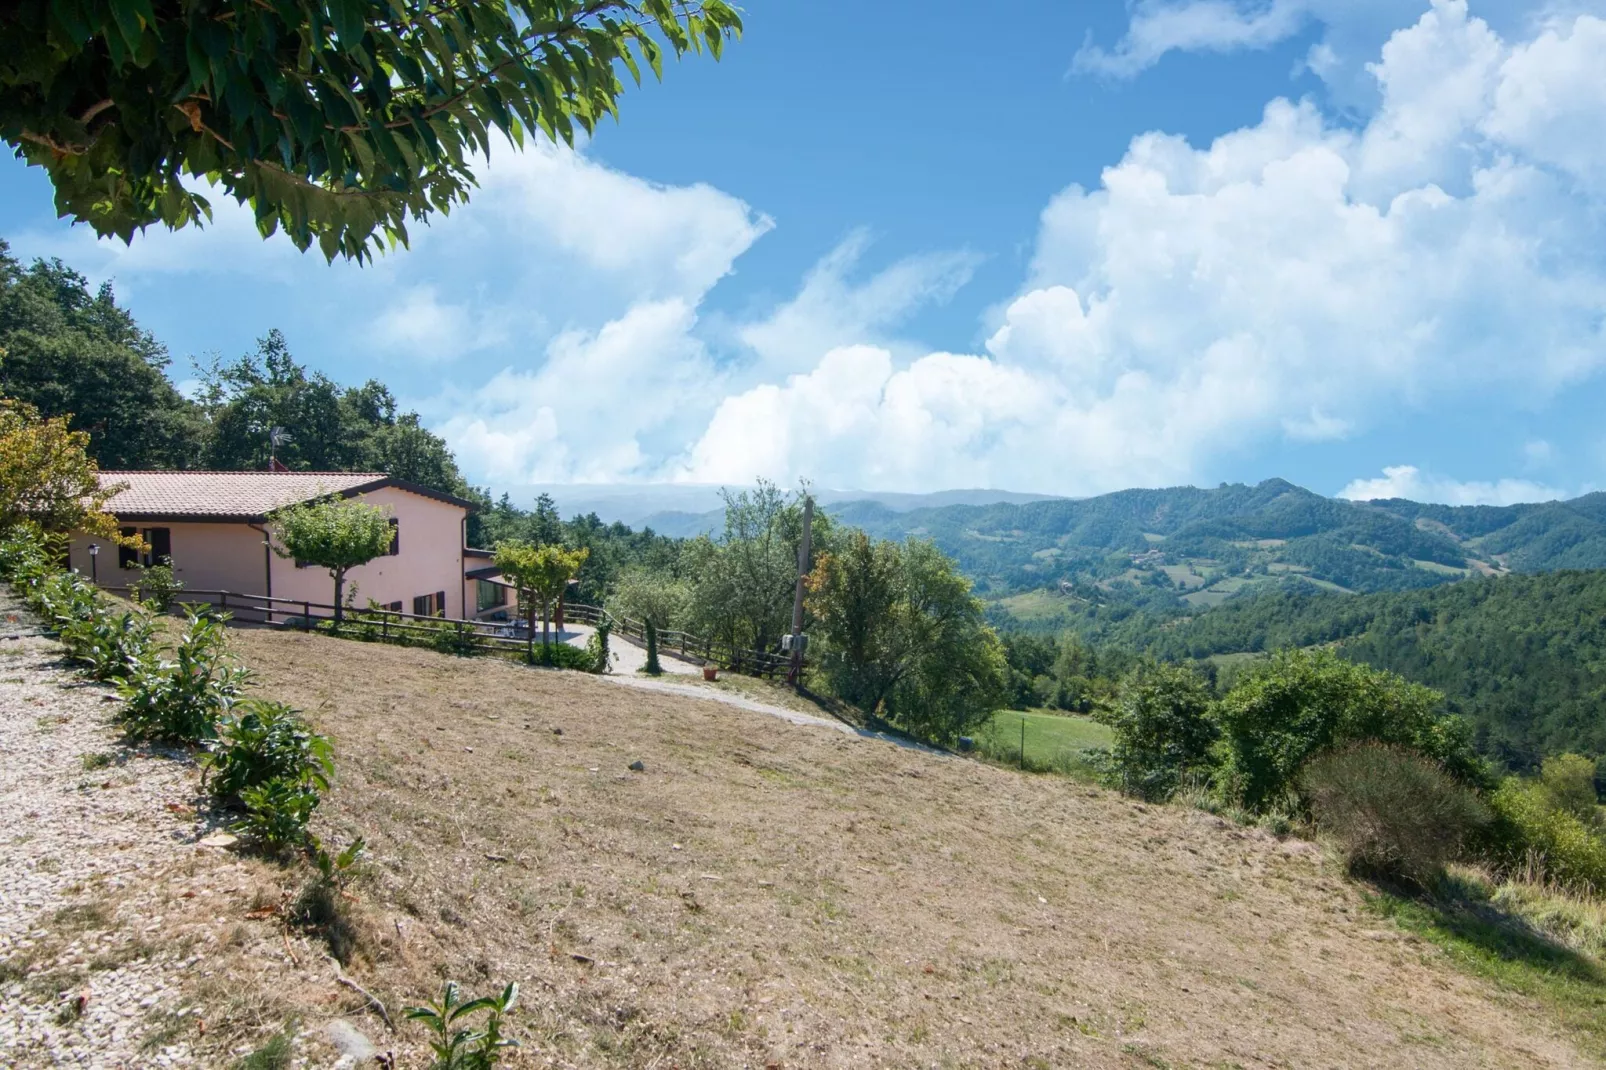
[1180,548]
[683,510]
[1199,546]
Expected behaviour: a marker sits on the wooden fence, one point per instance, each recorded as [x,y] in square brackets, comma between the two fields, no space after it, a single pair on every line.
[468,636]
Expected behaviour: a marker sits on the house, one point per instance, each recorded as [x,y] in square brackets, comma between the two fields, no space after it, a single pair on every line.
[213,527]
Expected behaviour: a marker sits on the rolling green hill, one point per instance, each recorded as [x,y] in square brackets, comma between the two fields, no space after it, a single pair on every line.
[1521,656]
[1193,548]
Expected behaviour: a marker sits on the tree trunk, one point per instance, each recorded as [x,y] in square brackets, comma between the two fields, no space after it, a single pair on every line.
[529,628]
[653,668]
[545,652]
[340,590]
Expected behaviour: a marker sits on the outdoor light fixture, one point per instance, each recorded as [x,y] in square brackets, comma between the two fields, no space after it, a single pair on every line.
[94,554]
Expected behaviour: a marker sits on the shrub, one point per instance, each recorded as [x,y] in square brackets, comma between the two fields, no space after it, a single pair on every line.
[1163,730]
[1535,836]
[1300,703]
[564,656]
[277,813]
[1569,780]
[181,700]
[652,668]
[63,598]
[456,1044]
[109,644]
[261,741]
[158,587]
[1393,812]
[597,646]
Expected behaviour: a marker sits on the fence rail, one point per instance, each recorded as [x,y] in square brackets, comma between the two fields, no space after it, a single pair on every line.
[392,625]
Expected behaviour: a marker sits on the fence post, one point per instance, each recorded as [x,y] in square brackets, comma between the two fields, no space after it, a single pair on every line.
[306,616]
[384,626]
[1023,742]
[223,604]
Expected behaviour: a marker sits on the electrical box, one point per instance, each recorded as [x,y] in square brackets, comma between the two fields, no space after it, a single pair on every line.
[794,643]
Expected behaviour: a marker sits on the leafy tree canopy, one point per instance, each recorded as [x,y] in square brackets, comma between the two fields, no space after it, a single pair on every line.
[75,353]
[336,533]
[337,121]
[901,633]
[47,477]
[332,428]
[1302,702]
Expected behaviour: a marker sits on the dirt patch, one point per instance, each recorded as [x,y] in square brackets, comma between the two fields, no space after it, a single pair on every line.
[763,893]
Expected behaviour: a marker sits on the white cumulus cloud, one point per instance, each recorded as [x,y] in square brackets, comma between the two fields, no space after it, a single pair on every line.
[1298,277]
[1408,481]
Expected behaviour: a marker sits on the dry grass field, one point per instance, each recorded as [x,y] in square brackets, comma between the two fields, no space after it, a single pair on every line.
[767,895]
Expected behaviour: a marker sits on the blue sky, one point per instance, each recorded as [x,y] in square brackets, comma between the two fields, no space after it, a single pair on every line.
[1038,246]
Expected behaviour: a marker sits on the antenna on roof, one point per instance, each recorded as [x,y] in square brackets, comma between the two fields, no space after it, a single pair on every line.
[276,438]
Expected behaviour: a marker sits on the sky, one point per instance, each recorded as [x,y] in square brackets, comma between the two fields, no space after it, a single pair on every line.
[1031,245]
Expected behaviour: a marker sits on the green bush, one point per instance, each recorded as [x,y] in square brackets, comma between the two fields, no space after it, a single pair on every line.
[1302,702]
[597,645]
[1394,813]
[455,1043]
[1538,838]
[181,700]
[277,813]
[564,656]
[1569,780]
[63,598]
[110,644]
[1163,730]
[259,741]
[158,587]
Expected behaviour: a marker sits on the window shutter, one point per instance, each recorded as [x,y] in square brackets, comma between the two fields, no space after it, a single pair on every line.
[395,537]
[161,540]
[127,556]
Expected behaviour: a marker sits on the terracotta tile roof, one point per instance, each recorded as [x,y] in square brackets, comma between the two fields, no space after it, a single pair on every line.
[230,495]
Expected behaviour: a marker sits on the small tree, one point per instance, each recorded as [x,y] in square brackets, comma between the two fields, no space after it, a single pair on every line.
[540,573]
[1162,729]
[336,534]
[1302,702]
[656,600]
[48,478]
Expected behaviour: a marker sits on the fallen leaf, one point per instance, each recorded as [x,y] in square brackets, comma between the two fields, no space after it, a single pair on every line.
[220,839]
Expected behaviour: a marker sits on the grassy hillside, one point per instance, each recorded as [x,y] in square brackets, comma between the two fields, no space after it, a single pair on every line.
[769,895]
[1524,657]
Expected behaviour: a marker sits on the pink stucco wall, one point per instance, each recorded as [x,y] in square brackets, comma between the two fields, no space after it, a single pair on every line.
[231,557]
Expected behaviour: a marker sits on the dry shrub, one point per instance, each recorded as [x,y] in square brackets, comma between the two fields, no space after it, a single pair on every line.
[1394,813]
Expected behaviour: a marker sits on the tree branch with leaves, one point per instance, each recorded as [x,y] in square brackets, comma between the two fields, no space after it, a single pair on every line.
[337,121]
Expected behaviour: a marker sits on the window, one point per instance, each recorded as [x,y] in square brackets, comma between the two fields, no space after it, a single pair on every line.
[395,537]
[430,605]
[160,541]
[488,595]
[394,607]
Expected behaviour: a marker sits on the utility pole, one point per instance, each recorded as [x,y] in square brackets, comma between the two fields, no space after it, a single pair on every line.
[796,641]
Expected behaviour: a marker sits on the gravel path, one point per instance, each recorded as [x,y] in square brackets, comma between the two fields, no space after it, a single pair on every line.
[91,953]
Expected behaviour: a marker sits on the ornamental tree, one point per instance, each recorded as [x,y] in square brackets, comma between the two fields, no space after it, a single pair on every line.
[48,478]
[540,573]
[337,121]
[335,533]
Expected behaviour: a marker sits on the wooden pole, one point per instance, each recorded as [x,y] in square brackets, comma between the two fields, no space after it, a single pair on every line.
[794,675]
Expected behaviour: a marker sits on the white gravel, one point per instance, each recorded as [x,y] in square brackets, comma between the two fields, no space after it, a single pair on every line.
[88,974]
